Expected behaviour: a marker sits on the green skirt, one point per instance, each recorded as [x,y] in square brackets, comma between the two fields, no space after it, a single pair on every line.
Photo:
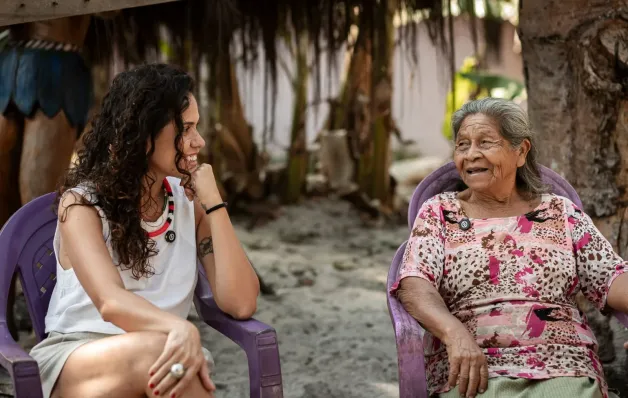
[559,387]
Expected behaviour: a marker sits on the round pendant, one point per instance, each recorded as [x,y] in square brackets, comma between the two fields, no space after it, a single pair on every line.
[170,236]
[464,224]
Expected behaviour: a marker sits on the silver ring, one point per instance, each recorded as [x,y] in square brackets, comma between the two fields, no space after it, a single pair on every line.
[177,371]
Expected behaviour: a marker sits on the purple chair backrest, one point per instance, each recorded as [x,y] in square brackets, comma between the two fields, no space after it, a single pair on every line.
[446,178]
[26,247]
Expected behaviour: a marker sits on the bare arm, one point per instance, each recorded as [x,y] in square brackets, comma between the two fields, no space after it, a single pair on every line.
[83,245]
[231,276]
[617,298]
[423,302]
[618,294]
[467,363]
[600,269]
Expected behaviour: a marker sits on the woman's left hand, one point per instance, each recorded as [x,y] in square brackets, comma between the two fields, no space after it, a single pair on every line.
[183,346]
[467,364]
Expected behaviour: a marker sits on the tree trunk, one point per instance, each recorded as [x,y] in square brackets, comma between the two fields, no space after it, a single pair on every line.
[374,177]
[297,156]
[350,117]
[345,113]
[576,66]
[240,159]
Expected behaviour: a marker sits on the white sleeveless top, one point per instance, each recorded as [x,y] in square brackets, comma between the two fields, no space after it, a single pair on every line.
[171,288]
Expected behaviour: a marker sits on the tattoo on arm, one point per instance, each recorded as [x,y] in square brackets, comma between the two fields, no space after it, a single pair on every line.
[205,247]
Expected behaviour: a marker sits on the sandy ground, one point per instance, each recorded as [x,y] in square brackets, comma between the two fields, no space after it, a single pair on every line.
[335,337]
[329,271]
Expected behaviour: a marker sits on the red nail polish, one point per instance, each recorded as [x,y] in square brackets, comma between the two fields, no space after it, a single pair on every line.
[156,392]
[151,373]
[173,395]
[151,385]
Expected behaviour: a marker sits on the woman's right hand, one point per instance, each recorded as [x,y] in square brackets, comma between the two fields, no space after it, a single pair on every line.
[467,364]
[183,346]
[204,183]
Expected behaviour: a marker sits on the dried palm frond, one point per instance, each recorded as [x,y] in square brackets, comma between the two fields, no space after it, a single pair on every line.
[204,30]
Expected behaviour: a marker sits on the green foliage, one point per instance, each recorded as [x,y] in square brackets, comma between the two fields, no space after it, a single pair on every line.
[166,49]
[465,88]
[473,84]
[500,86]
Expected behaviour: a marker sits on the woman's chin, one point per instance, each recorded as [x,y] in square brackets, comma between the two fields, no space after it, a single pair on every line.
[477,184]
[189,167]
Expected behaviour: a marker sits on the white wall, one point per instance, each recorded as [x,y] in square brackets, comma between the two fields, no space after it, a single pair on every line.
[419,92]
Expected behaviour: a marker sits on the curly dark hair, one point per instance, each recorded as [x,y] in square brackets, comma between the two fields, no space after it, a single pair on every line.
[114,162]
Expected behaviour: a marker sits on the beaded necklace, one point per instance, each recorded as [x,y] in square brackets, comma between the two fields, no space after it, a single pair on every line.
[170,235]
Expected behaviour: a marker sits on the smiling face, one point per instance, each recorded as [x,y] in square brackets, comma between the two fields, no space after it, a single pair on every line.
[162,161]
[486,161]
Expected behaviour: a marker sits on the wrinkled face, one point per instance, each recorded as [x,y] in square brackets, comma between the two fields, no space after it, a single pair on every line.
[162,162]
[485,160]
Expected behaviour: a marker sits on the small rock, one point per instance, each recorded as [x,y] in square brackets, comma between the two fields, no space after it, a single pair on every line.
[344,265]
[297,236]
[261,244]
[305,281]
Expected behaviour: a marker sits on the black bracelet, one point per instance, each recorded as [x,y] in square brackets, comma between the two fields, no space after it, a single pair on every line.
[218,206]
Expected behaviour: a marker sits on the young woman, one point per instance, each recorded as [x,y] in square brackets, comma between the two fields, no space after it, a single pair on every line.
[136,213]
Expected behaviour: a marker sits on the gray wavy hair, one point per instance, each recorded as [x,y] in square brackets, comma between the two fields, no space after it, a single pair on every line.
[514,127]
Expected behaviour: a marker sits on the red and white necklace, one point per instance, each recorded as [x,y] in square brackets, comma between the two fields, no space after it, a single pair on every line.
[170,235]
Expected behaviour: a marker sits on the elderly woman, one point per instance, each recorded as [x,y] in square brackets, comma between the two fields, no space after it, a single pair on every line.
[492,272]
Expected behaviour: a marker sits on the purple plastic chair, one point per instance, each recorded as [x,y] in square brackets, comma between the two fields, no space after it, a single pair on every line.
[408,332]
[26,248]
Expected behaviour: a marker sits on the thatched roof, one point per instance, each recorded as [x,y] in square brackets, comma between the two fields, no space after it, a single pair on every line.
[204,30]
[210,26]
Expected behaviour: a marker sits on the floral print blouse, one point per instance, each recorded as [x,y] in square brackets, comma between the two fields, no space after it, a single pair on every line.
[512,282]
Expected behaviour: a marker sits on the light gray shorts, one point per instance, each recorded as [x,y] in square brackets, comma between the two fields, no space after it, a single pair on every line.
[52,352]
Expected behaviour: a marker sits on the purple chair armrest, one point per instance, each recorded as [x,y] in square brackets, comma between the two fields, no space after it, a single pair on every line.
[257,339]
[241,332]
[22,367]
[409,339]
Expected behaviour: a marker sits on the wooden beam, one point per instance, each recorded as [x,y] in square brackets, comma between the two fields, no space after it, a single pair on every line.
[20,11]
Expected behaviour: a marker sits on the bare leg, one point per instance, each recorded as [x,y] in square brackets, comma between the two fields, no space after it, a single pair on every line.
[117,366]
[9,163]
[46,152]
[9,195]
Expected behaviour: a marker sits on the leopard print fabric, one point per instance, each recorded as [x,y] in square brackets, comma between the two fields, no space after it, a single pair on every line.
[512,282]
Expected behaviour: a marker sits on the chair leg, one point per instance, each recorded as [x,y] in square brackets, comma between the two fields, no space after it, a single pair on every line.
[264,367]
[27,385]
